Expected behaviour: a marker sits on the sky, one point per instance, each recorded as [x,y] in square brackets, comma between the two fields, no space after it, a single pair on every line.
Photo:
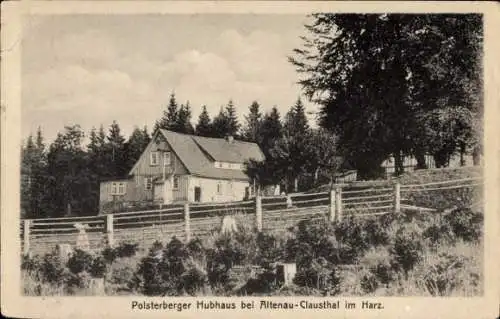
[93,69]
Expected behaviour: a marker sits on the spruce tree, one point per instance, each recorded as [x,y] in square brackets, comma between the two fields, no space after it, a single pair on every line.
[135,146]
[115,151]
[183,121]
[220,124]
[168,121]
[251,131]
[204,127]
[232,125]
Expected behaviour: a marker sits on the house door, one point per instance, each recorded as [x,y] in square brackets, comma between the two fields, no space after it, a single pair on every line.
[167,192]
[163,192]
[197,194]
[158,192]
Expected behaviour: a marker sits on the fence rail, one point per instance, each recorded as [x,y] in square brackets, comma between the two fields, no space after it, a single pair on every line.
[266,213]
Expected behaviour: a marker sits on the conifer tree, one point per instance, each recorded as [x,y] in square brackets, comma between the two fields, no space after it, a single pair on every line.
[168,121]
[232,125]
[135,146]
[251,131]
[204,127]
[220,124]
[115,145]
[183,121]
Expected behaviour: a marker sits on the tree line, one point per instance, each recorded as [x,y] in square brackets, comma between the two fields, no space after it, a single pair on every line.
[63,178]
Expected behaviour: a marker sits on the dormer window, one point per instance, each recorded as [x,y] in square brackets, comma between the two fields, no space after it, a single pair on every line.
[227,165]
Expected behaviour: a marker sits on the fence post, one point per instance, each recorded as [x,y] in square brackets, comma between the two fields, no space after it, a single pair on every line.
[289,202]
[397,198]
[331,210]
[187,222]
[109,230]
[338,204]
[258,212]
[27,231]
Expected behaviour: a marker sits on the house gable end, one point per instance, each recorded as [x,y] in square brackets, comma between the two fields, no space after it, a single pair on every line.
[144,159]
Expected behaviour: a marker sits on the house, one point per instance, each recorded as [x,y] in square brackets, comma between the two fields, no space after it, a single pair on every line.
[177,168]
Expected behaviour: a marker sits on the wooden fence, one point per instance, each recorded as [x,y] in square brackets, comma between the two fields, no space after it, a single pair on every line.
[198,220]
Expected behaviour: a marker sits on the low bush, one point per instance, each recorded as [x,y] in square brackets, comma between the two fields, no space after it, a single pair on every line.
[124,250]
[52,269]
[80,261]
[176,269]
[407,248]
[465,224]
[320,275]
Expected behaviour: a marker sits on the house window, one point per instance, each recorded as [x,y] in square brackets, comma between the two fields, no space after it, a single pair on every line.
[176,182]
[166,159]
[148,183]
[219,188]
[118,188]
[153,159]
[121,188]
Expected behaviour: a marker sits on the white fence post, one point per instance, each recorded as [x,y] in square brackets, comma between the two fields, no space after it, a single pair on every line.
[338,204]
[258,212]
[331,210]
[289,202]
[187,222]
[109,230]
[27,231]
[397,198]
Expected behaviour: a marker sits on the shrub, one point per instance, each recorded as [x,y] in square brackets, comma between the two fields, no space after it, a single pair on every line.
[438,233]
[98,267]
[228,251]
[465,224]
[369,282]
[269,250]
[376,231]
[52,269]
[194,277]
[147,279]
[312,240]
[173,270]
[352,238]
[320,275]
[30,264]
[121,278]
[407,247]
[79,261]
[124,250]
[109,255]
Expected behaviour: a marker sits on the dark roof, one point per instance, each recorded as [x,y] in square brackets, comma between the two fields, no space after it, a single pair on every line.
[233,152]
[193,152]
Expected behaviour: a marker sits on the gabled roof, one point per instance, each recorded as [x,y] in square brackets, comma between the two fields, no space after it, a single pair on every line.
[198,153]
[235,151]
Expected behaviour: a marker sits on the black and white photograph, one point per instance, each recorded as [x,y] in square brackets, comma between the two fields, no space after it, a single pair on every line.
[316,154]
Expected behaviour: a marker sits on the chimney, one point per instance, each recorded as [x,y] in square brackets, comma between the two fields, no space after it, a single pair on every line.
[229,138]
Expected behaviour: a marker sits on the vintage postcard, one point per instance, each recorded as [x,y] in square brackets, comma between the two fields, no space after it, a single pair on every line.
[226,159]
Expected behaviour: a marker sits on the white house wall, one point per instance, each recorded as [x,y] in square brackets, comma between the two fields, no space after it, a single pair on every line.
[230,190]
